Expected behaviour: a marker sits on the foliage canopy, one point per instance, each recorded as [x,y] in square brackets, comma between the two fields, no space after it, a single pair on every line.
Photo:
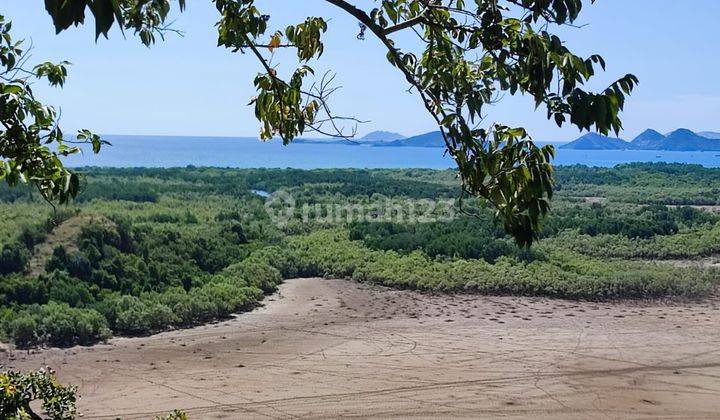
[28,127]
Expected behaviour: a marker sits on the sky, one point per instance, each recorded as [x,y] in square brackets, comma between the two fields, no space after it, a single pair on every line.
[186,85]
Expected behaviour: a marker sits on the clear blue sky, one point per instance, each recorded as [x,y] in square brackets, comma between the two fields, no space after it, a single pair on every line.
[188,86]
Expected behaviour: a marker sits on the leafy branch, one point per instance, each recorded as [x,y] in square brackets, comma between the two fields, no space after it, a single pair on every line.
[31,141]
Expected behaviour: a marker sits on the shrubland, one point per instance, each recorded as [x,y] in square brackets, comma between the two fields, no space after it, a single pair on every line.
[547,271]
[172,248]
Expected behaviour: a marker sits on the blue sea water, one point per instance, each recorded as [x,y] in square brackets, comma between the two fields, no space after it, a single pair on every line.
[154,151]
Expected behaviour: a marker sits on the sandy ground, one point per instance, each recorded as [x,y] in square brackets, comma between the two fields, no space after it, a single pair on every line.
[331,348]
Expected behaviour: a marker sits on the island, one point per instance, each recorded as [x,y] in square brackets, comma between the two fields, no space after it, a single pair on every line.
[679,140]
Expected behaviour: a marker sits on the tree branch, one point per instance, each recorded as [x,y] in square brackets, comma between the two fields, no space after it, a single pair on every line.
[379,32]
[404,25]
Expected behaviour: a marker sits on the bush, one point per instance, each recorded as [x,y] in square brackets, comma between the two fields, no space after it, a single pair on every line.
[22,331]
[255,272]
[65,326]
[285,260]
[144,318]
[229,298]
[33,235]
[63,288]
[58,260]
[13,258]
[21,290]
[195,309]
[55,324]
[19,392]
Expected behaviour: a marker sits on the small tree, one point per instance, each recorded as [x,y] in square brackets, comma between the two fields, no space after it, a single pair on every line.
[471,52]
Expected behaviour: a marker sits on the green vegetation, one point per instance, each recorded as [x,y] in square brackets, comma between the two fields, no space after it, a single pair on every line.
[19,390]
[465,56]
[173,248]
[552,272]
[660,183]
[29,127]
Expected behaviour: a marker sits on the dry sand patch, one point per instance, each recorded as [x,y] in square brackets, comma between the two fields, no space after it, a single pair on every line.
[329,348]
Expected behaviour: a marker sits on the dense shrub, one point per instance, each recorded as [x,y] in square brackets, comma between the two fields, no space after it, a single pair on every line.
[285,260]
[23,331]
[690,244]
[83,311]
[118,189]
[643,183]
[557,274]
[76,264]
[56,324]
[33,235]
[476,238]
[136,317]
[644,222]
[256,272]
[16,289]
[65,326]
[61,287]
[13,258]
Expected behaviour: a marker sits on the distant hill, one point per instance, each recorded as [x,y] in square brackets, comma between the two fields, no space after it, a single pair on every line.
[431,139]
[685,140]
[678,140]
[648,140]
[681,140]
[710,135]
[383,136]
[594,141]
[369,139]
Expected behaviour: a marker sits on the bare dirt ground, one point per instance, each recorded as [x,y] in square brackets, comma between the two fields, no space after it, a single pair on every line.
[332,348]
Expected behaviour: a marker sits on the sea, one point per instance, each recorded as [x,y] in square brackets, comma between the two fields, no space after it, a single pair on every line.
[243,152]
